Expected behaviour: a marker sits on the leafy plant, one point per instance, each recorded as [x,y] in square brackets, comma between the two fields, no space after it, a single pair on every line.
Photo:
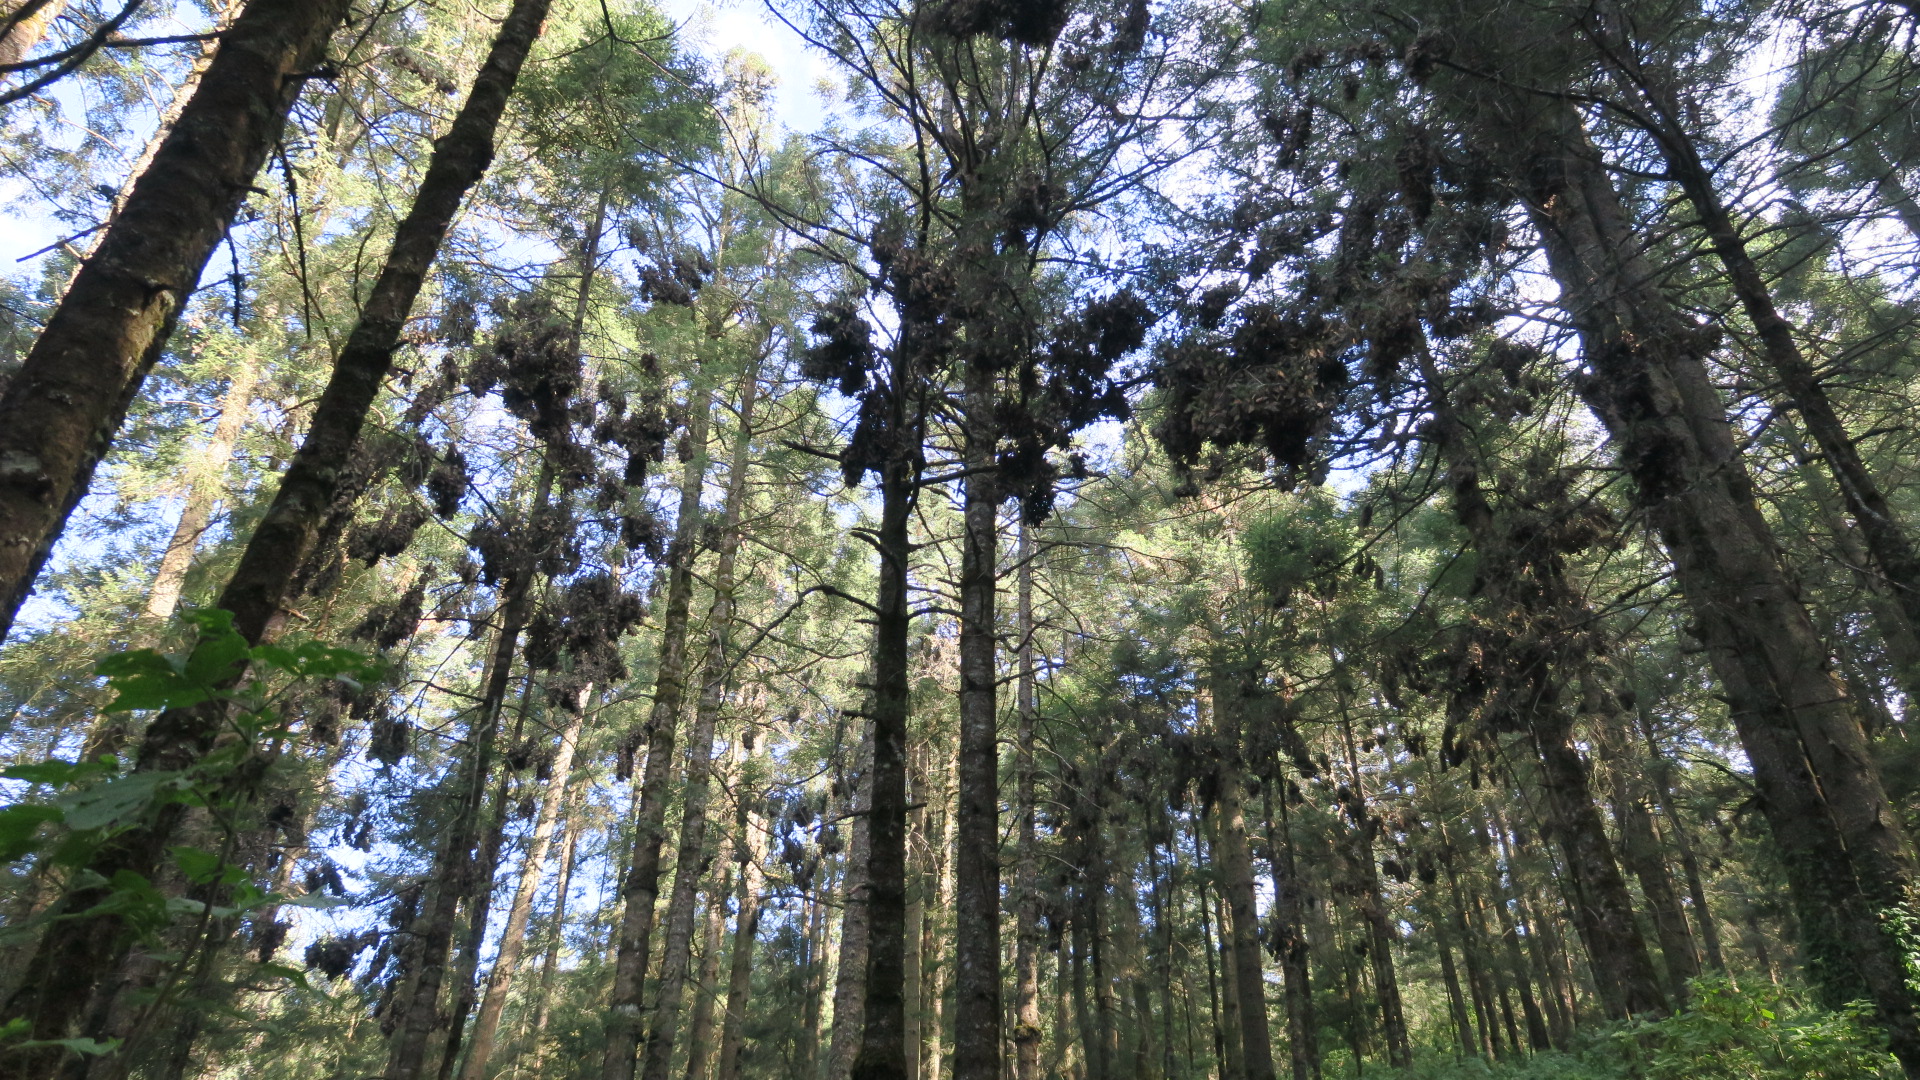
[69,809]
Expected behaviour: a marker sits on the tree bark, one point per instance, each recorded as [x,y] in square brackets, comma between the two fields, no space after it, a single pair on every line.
[1027,933]
[61,410]
[1847,858]
[976,1012]
[715,676]
[1290,941]
[556,933]
[75,955]
[513,937]
[206,482]
[882,1053]
[640,889]
[733,1033]
[850,977]
[700,1047]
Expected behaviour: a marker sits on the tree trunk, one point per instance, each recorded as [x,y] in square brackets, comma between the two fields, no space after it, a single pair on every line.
[1848,861]
[25,23]
[1027,932]
[206,482]
[513,938]
[556,934]
[882,1053]
[61,410]
[1642,851]
[1241,930]
[976,1012]
[850,975]
[1662,782]
[733,1033]
[640,889]
[1604,909]
[715,675]
[76,955]
[700,1048]
[1885,534]
[1290,942]
[458,870]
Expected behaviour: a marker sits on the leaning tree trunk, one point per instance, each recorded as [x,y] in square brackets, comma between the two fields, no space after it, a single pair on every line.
[513,937]
[205,483]
[1373,911]
[1623,969]
[1886,535]
[641,887]
[61,410]
[556,933]
[76,955]
[459,864]
[1848,861]
[715,675]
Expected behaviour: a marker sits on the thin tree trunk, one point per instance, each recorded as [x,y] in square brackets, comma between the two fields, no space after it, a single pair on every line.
[715,675]
[733,1028]
[458,869]
[700,1047]
[1623,968]
[640,890]
[1242,928]
[513,938]
[61,410]
[556,934]
[1662,783]
[1290,942]
[1027,933]
[206,482]
[1642,851]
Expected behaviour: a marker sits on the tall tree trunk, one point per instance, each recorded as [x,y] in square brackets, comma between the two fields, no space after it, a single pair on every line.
[1622,966]
[460,869]
[733,1028]
[556,933]
[700,1046]
[1537,1034]
[715,675]
[76,955]
[477,905]
[1848,860]
[1661,778]
[513,937]
[1241,930]
[640,889]
[1027,932]
[850,974]
[60,411]
[1886,535]
[883,1020]
[1642,851]
[976,1012]
[1290,941]
[206,482]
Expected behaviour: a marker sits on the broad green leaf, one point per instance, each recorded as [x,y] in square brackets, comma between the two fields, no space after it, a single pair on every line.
[18,824]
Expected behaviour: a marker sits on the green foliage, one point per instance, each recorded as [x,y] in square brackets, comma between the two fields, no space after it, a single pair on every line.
[1728,1034]
[87,803]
